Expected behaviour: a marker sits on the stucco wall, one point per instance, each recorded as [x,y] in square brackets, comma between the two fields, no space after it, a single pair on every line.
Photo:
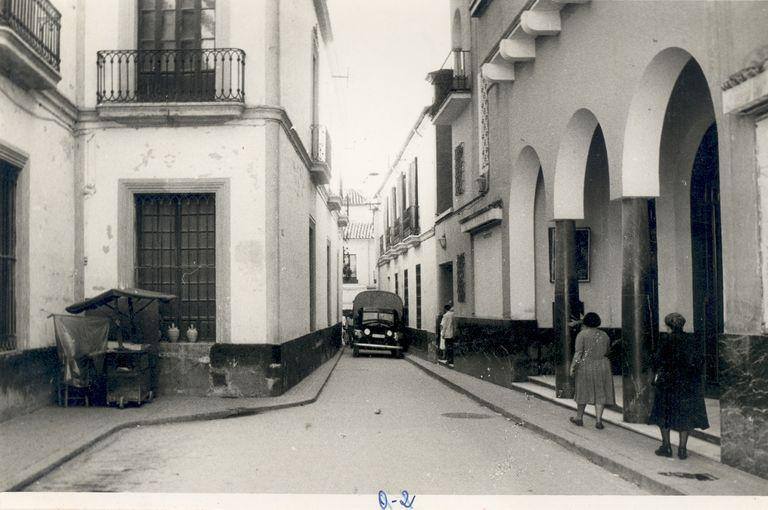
[234,153]
[571,72]
[45,212]
[300,201]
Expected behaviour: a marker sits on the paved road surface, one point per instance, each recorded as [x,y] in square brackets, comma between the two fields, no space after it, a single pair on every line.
[427,439]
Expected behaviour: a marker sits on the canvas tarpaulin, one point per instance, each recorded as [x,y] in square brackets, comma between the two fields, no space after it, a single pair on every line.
[81,343]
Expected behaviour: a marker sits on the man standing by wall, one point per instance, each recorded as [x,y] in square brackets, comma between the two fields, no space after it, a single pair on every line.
[446,335]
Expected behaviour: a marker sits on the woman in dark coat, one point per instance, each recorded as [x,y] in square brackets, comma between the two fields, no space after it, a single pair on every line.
[679,400]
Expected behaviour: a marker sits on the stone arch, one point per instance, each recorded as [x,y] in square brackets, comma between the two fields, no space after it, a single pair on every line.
[645,122]
[522,244]
[571,166]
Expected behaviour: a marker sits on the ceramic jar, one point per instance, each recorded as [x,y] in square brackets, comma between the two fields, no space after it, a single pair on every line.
[192,333]
[173,333]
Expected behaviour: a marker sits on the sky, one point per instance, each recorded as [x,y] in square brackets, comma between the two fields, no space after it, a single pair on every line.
[388,47]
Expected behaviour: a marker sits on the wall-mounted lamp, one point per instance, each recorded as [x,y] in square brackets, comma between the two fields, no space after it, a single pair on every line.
[442,240]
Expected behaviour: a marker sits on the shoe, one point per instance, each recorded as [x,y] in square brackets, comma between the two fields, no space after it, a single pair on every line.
[664,450]
[576,421]
[599,425]
[682,453]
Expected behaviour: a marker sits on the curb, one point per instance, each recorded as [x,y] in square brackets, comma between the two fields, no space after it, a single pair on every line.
[236,412]
[625,472]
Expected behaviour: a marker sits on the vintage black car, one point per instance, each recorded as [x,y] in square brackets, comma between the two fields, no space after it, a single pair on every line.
[378,323]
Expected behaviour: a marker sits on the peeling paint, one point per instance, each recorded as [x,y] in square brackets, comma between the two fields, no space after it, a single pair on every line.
[109,232]
[215,155]
[144,160]
[169,160]
[105,248]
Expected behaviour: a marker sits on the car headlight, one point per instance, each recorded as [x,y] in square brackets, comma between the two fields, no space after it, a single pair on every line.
[389,333]
[358,333]
[367,331]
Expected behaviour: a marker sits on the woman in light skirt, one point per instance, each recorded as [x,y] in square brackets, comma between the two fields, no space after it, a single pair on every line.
[592,369]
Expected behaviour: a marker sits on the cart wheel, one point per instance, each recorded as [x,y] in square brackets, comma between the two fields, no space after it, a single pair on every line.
[121,404]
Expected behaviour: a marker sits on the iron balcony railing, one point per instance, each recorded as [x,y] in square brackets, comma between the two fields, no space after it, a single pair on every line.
[453,76]
[397,232]
[321,145]
[411,221]
[38,23]
[170,76]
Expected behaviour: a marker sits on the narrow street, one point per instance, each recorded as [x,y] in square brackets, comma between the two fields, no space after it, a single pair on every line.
[380,423]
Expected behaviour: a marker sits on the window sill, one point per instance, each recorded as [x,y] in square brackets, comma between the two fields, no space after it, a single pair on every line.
[170,113]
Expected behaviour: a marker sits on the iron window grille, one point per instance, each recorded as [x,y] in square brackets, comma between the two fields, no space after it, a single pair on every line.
[176,254]
[7,256]
[458,168]
[461,286]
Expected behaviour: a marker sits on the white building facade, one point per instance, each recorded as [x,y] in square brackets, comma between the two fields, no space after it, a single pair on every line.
[172,145]
[404,227]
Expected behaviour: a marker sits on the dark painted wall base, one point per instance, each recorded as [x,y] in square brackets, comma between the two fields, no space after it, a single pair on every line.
[243,370]
[27,380]
[744,402]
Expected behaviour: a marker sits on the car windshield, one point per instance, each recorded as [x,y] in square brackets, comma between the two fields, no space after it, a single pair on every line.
[370,316]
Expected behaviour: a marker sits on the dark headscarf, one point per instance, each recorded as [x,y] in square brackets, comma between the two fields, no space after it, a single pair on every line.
[675,321]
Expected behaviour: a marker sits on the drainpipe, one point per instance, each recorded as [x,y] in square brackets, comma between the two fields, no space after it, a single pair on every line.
[272,263]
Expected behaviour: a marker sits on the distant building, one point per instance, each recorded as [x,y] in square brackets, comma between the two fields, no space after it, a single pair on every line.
[359,247]
[404,226]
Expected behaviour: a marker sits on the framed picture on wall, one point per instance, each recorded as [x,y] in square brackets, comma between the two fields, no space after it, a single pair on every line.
[582,254]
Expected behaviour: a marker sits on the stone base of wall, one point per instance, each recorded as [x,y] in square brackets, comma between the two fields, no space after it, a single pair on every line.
[27,380]
[421,343]
[744,402]
[184,369]
[242,370]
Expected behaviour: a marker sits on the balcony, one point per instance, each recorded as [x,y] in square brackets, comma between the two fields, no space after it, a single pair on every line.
[452,88]
[136,84]
[411,222]
[29,42]
[321,154]
[334,202]
[411,228]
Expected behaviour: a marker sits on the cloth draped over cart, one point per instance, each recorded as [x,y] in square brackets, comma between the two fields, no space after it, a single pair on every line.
[81,343]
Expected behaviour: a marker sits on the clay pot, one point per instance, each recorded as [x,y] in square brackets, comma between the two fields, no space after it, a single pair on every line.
[192,333]
[173,333]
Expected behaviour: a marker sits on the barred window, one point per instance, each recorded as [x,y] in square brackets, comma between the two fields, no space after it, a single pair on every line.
[176,254]
[7,256]
[458,168]
[418,296]
[461,293]
[350,268]
[405,297]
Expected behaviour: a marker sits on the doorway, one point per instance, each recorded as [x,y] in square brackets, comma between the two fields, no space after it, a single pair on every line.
[445,286]
[706,247]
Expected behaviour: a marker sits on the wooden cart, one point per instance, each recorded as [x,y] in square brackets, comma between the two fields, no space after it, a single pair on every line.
[128,369]
[129,377]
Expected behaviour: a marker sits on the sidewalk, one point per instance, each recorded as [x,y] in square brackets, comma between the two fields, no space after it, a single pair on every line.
[34,444]
[620,450]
